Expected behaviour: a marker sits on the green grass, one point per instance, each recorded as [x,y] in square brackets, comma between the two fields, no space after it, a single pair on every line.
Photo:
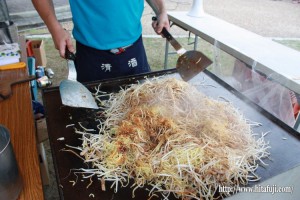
[223,63]
[35,31]
[155,49]
[55,62]
[294,44]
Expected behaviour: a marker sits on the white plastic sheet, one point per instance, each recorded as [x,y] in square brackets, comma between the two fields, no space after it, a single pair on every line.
[269,95]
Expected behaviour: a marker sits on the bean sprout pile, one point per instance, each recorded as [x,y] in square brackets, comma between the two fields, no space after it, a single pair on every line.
[167,136]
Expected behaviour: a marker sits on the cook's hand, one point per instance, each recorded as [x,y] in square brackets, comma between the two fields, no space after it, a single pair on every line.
[162,21]
[62,39]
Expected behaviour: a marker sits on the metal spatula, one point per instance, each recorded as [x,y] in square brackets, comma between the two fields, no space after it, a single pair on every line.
[189,63]
[72,92]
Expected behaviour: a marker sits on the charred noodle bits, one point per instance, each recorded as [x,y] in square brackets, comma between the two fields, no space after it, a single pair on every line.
[166,134]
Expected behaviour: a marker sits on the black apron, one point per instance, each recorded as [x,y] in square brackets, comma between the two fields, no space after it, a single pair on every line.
[92,64]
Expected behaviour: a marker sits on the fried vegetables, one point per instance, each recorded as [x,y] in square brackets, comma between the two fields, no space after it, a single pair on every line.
[165,134]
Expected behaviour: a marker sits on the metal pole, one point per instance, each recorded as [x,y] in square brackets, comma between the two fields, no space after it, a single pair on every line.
[4,14]
[297,123]
[166,55]
[196,42]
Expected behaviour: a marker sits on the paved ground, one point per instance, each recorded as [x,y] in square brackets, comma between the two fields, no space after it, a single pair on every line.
[270,18]
[19,6]
[266,17]
[25,16]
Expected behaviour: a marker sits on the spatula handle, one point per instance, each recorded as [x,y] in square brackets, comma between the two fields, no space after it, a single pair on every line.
[69,55]
[169,37]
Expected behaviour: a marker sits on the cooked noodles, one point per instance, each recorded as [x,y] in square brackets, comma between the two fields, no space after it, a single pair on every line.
[166,134]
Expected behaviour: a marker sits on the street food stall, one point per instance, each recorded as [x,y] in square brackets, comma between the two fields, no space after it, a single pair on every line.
[251,49]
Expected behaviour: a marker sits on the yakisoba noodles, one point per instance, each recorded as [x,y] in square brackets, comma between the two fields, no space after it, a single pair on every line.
[165,134]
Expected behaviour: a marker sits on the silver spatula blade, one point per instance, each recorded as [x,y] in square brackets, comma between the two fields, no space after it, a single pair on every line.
[74,94]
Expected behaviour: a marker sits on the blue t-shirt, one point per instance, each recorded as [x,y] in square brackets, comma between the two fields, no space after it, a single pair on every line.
[107,24]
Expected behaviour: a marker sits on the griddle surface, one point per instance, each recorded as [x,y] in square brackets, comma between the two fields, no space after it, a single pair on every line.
[284,141]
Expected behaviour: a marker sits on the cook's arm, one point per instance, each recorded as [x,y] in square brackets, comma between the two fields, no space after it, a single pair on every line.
[61,38]
[158,7]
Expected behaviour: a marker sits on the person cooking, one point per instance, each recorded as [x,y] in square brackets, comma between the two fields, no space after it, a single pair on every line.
[108,35]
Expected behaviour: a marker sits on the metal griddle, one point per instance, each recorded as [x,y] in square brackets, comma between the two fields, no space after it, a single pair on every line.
[59,116]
